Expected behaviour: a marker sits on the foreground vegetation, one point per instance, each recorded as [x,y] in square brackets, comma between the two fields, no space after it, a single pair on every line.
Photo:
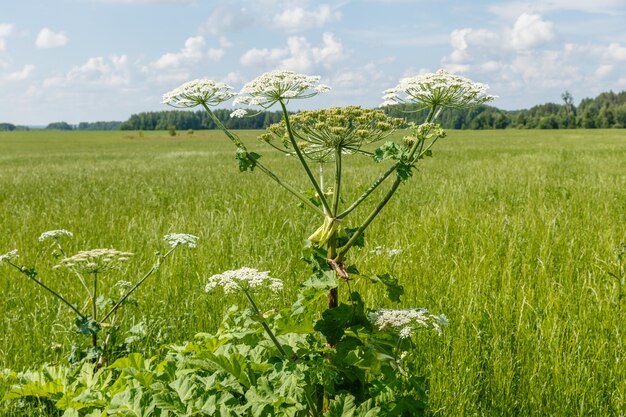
[506,237]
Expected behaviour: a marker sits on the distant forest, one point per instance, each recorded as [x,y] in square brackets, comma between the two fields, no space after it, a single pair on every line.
[607,110]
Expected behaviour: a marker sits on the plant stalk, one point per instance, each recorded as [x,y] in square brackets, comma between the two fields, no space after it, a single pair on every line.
[265,326]
[262,167]
[394,187]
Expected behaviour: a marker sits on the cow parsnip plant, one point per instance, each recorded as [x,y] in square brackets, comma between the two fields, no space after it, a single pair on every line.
[345,361]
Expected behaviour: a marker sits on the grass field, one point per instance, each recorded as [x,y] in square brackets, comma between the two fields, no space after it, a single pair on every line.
[503,231]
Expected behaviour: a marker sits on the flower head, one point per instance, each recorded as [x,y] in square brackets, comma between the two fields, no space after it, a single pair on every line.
[96,260]
[273,86]
[322,133]
[238,114]
[9,256]
[198,92]
[406,321]
[177,239]
[54,234]
[440,89]
[245,279]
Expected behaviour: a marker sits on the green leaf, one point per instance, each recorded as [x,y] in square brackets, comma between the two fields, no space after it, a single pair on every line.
[341,406]
[87,326]
[394,289]
[133,402]
[247,160]
[334,322]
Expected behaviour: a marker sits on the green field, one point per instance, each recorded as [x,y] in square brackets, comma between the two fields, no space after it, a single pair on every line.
[503,231]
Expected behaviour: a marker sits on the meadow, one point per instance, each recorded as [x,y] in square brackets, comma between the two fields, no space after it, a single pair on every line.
[503,231]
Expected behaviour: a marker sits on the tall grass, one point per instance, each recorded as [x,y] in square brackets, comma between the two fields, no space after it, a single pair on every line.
[501,231]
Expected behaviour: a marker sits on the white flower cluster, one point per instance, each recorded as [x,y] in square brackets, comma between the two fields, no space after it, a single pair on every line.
[440,89]
[197,92]
[245,279]
[238,114]
[406,321]
[178,239]
[391,252]
[269,88]
[54,234]
[95,260]
[9,256]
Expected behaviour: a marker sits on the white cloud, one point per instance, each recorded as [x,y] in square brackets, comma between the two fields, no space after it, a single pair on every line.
[192,52]
[6,30]
[298,55]
[49,39]
[21,75]
[298,19]
[511,9]
[531,31]
[96,72]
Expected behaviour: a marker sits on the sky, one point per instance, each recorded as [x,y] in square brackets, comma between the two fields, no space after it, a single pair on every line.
[99,60]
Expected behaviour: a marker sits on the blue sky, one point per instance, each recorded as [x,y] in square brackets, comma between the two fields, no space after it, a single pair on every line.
[88,60]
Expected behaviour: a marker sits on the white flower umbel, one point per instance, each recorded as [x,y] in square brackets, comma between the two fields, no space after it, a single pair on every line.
[178,239]
[271,87]
[440,89]
[238,114]
[55,234]
[96,261]
[245,279]
[405,322]
[9,256]
[198,92]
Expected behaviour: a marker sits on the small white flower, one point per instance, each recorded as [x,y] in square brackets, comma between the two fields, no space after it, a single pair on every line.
[55,234]
[9,256]
[177,239]
[273,86]
[245,279]
[440,89]
[406,321]
[238,114]
[198,92]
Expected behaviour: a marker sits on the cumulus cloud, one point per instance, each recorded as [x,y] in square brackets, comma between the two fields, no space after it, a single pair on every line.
[511,9]
[192,51]
[50,39]
[21,75]
[531,31]
[96,72]
[6,30]
[298,55]
[298,19]
[287,16]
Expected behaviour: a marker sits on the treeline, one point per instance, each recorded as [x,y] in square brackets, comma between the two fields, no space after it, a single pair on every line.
[197,120]
[607,110]
[85,126]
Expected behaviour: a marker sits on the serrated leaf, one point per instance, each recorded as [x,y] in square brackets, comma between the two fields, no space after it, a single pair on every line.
[333,322]
[132,402]
[87,326]
[394,289]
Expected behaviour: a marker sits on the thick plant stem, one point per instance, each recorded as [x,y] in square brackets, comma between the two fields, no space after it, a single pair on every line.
[367,192]
[237,142]
[296,148]
[265,326]
[152,270]
[337,190]
[341,254]
[94,337]
[50,290]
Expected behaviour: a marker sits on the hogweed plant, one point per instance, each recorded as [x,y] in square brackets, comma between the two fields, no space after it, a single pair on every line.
[346,360]
[99,309]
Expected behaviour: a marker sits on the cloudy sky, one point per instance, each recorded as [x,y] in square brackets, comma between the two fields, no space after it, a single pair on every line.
[89,60]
